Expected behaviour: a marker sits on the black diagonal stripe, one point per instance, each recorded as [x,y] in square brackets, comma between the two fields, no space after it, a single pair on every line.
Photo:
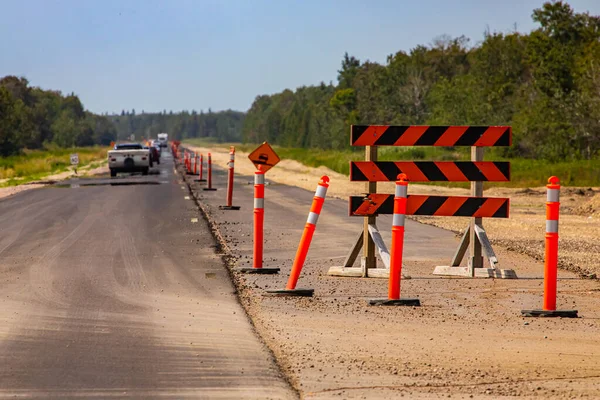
[431,135]
[387,207]
[356,131]
[504,167]
[356,175]
[470,170]
[471,135]
[504,139]
[502,211]
[355,202]
[431,205]
[431,171]
[391,134]
[389,169]
[469,207]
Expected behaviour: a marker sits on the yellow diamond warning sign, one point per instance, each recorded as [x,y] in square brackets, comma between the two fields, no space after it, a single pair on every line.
[265,156]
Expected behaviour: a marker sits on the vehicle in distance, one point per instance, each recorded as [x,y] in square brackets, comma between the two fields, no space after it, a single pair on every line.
[163,138]
[129,157]
[154,154]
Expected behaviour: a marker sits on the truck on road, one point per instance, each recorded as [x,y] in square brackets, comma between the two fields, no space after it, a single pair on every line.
[129,157]
[163,139]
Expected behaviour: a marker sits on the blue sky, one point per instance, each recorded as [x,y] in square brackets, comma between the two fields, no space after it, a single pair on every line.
[194,54]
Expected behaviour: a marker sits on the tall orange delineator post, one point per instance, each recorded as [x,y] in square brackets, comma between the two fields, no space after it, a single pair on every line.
[209,167]
[230,173]
[400,200]
[307,235]
[201,169]
[195,164]
[259,220]
[551,256]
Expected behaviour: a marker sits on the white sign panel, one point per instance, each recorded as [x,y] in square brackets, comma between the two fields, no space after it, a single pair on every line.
[74,159]
[132,137]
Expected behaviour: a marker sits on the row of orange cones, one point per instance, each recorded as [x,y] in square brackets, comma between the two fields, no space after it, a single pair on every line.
[397,245]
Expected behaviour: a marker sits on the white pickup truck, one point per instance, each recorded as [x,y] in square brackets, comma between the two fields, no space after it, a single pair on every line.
[129,157]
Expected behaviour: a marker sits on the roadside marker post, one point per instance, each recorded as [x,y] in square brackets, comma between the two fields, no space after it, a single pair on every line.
[209,167]
[551,256]
[400,200]
[195,163]
[307,235]
[263,158]
[476,207]
[200,174]
[230,174]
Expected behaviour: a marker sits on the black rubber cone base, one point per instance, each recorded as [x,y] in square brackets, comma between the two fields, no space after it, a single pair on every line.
[398,302]
[550,314]
[293,292]
[199,180]
[229,207]
[211,189]
[264,271]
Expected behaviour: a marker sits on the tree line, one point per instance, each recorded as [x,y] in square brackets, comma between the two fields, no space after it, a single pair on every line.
[223,126]
[33,118]
[546,84]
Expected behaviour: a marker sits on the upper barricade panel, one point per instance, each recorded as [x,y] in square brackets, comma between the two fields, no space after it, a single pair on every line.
[390,135]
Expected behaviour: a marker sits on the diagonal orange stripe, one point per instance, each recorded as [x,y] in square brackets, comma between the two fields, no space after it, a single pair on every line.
[450,206]
[413,173]
[370,135]
[371,171]
[370,207]
[491,136]
[411,135]
[489,207]
[491,172]
[413,203]
[452,134]
[451,171]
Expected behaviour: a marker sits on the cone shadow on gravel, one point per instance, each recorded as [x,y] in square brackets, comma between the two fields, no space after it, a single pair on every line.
[292,292]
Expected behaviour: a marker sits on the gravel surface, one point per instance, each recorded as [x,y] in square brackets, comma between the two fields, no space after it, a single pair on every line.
[468,339]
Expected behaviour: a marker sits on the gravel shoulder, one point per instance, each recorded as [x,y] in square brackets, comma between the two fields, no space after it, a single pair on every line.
[468,339]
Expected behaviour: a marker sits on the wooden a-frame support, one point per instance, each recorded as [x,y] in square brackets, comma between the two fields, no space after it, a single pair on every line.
[474,238]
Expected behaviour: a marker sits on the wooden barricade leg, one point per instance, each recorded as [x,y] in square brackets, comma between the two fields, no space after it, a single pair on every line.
[369,239]
[477,241]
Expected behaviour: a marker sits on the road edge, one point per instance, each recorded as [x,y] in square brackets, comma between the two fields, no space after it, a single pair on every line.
[229,262]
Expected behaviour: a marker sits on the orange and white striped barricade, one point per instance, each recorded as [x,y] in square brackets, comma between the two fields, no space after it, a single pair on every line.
[259,220]
[307,235]
[209,172]
[551,256]
[399,216]
[229,200]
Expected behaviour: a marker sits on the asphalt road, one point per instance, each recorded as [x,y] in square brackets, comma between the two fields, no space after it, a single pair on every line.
[114,291]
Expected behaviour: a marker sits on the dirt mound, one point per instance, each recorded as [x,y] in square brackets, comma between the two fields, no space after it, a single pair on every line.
[590,207]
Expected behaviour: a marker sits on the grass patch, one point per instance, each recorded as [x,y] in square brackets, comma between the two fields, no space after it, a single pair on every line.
[525,172]
[33,165]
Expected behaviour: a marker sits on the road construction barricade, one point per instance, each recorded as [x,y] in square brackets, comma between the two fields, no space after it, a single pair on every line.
[209,172]
[259,220]
[476,206]
[307,235]
[551,256]
[230,173]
